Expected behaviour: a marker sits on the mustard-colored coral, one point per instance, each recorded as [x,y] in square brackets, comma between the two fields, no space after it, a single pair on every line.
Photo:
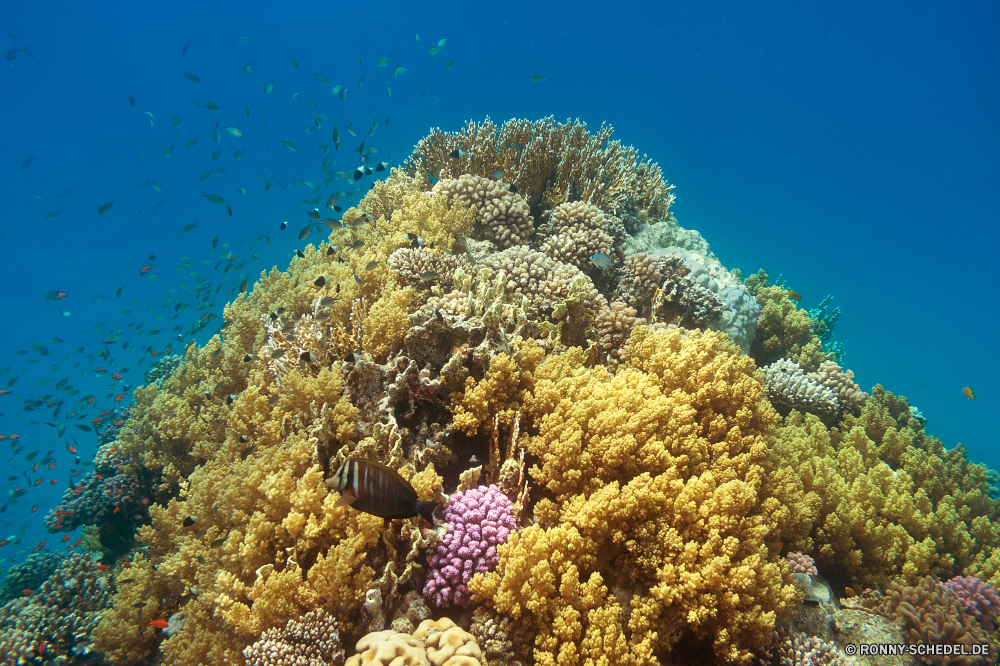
[386,323]
[264,549]
[880,500]
[501,391]
[785,331]
[655,481]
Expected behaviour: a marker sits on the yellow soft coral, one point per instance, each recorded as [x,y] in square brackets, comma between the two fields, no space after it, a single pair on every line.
[878,499]
[655,481]
[501,391]
[433,219]
[785,331]
[268,543]
[386,323]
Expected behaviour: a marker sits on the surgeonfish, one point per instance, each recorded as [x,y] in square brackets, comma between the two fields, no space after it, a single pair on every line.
[378,490]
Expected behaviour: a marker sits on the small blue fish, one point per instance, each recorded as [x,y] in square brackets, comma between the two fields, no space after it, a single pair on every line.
[601,260]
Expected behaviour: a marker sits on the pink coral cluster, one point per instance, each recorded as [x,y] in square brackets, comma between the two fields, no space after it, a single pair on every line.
[479,521]
[801,563]
[979,598]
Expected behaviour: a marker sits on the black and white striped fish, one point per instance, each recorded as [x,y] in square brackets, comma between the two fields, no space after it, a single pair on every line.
[379,490]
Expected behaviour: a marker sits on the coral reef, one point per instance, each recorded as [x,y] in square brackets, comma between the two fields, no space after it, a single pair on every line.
[929,614]
[801,563]
[789,388]
[550,163]
[54,621]
[616,482]
[479,520]
[311,640]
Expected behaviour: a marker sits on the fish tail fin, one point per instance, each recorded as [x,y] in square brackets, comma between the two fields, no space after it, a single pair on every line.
[426,510]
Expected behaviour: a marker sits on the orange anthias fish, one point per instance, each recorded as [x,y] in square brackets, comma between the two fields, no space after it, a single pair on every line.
[160,624]
[969,393]
[145,269]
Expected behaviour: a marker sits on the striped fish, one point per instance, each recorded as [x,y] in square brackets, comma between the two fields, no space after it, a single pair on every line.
[379,490]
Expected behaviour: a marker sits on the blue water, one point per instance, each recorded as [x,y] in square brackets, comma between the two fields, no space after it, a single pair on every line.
[852,149]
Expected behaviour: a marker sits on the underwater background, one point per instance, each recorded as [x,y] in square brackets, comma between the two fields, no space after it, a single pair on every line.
[849,148]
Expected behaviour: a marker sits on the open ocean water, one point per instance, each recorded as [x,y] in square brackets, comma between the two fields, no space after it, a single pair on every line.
[851,147]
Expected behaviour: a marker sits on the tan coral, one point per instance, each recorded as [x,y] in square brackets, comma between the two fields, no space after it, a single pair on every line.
[577,232]
[849,395]
[438,642]
[502,216]
[387,323]
[551,163]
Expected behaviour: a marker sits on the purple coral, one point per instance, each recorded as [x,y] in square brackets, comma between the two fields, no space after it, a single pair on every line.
[801,563]
[479,521]
[979,598]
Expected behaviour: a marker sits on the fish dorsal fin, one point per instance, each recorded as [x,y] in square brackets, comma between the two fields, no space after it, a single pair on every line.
[346,499]
[393,474]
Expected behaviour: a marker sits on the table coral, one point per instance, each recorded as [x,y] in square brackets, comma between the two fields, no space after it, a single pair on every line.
[653,481]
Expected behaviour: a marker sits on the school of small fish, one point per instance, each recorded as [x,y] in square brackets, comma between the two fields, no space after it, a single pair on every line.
[40,385]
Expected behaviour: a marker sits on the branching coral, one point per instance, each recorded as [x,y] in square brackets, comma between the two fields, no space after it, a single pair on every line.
[653,483]
[878,499]
[501,215]
[789,388]
[311,640]
[801,563]
[849,395]
[785,331]
[929,614]
[577,232]
[551,163]
[500,392]
[793,648]
[478,521]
